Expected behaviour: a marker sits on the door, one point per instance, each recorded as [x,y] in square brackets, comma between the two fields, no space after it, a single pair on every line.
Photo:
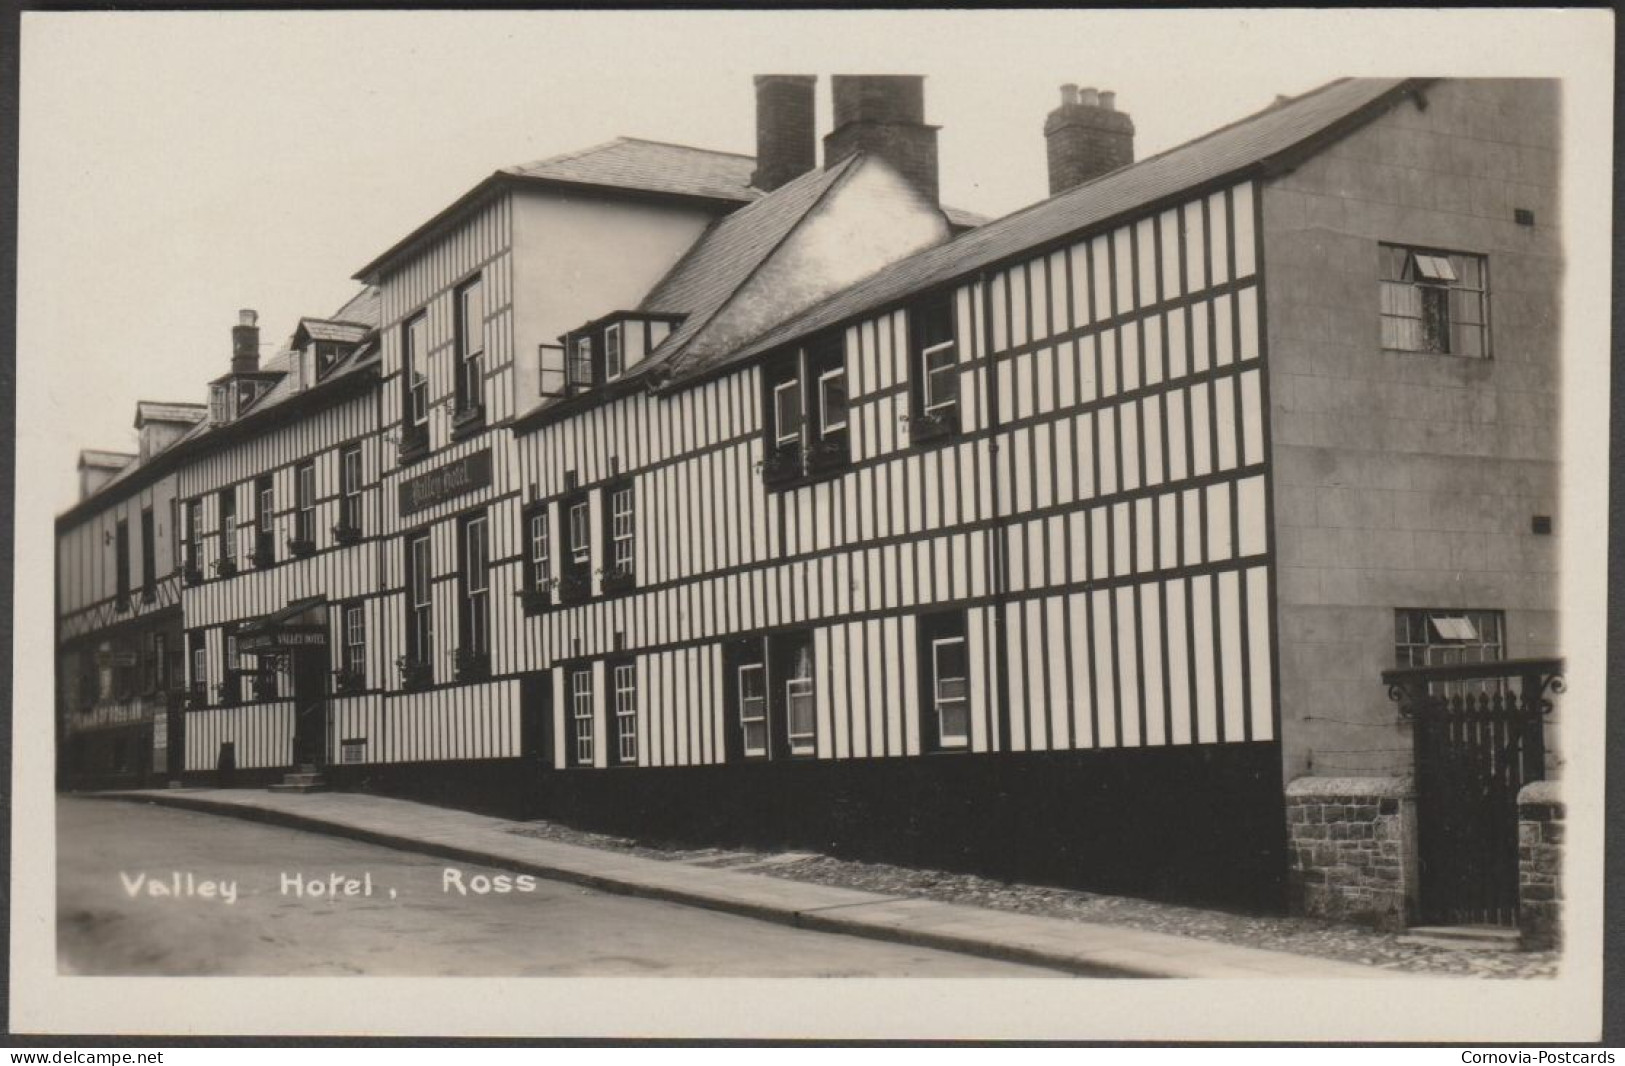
[310,707]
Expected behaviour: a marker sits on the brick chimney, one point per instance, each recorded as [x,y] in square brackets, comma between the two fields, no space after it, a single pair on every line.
[245,343]
[786,128]
[884,115]
[1087,137]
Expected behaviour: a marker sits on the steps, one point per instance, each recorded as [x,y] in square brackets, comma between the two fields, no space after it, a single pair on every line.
[1464,937]
[306,778]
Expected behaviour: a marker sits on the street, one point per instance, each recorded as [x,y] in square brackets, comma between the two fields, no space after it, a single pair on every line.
[153,891]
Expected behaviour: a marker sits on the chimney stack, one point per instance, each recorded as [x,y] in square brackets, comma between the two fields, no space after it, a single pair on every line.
[786,128]
[1087,137]
[245,343]
[884,115]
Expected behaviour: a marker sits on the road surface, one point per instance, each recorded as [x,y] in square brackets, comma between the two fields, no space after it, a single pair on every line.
[153,890]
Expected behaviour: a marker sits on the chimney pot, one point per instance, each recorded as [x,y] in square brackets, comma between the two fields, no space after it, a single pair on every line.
[1069,95]
[1108,101]
[248,317]
[786,128]
[1089,98]
[884,115]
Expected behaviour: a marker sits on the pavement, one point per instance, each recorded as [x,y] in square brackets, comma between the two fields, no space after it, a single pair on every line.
[1085,948]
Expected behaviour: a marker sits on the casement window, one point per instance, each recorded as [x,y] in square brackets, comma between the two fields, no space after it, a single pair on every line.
[355,642]
[614,356]
[149,557]
[539,553]
[304,485]
[228,524]
[808,411]
[622,531]
[121,562]
[419,600]
[192,555]
[580,533]
[578,368]
[198,658]
[471,346]
[581,716]
[751,709]
[350,487]
[934,369]
[1434,301]
[475,582]
[217,404]
[415,371]
[787,414]
[944,682]
[1444,637]
[800,711]
[264,519]
[624,686]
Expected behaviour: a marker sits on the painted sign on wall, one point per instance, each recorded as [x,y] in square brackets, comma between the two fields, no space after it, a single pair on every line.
[468,474]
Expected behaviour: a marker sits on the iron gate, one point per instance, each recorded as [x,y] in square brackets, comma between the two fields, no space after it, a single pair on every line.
[1479,734]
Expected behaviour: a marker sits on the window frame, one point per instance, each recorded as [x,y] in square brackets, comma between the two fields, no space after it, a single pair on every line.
[624,711]
[825,427]
[415,384]
[351,480]
[192,543]
[613,370]
[763,719]
[354,619]
[265,519]
[226,521]
[582,750]
[419,612]
[780,437]
[621,539]
[470,346]
[121,561]
[538,580]
[788,650]
[934,632]
[932,417]
[1437,297]
[149,554]
[304,501]
[1414,621]
[581,537]
[474,584]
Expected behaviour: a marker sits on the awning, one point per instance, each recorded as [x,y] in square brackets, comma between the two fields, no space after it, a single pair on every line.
[301,624]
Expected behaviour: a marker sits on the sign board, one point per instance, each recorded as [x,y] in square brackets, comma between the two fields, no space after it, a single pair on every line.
[468,474]
[281,638]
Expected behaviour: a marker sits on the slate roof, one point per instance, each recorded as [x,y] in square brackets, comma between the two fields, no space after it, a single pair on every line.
[152,411]
[1230,150]
[729,252]
[327,329]
[649,166]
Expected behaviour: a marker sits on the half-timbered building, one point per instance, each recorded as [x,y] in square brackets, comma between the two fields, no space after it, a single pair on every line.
[748,500]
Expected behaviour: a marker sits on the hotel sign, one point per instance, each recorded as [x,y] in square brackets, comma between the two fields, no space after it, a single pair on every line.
[281,638]
[468,474]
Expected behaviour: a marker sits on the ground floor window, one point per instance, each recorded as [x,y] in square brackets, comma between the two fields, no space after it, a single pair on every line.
[1445,637]
[944,681]
[752,709]
[800,711]
[625,676]
[581,716]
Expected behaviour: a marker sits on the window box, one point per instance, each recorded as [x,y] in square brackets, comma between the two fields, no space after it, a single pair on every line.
[473,664]
[828,453]
[226,567]
[415,673]
[263,687]
[301,547]
[345,535]
[782,465]
[348,682]
[414,442]
[618,582]
[262,558]
[467,420]
[535,601]
[194,700]
[933,425]
[228,692]
[191,575]
[574,588]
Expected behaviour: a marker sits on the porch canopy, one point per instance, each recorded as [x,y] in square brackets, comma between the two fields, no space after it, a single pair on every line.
[301,624]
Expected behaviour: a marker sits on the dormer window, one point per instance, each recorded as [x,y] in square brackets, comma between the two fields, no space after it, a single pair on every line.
[218,412]
[580,366]
[329,354]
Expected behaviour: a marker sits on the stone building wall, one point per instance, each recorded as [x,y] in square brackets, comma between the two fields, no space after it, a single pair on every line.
[1541,817]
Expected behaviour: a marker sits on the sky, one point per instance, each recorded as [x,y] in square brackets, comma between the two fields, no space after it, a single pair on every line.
[178,166]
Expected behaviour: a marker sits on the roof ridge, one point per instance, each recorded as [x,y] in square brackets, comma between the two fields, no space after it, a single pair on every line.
[686,147]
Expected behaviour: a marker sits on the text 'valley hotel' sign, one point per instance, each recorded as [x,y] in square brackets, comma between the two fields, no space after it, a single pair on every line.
[467,474]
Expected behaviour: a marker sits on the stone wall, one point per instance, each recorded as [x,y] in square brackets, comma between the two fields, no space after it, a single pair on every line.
[1540,865]
[1351,844]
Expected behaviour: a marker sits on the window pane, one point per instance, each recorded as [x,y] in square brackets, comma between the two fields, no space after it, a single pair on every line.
[954,722]
[787,410]
[832,401]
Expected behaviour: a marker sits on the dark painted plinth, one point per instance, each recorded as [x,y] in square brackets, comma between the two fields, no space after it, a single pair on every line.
[1196,824]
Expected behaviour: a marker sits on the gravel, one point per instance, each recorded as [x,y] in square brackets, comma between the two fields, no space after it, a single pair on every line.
[1302,936]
